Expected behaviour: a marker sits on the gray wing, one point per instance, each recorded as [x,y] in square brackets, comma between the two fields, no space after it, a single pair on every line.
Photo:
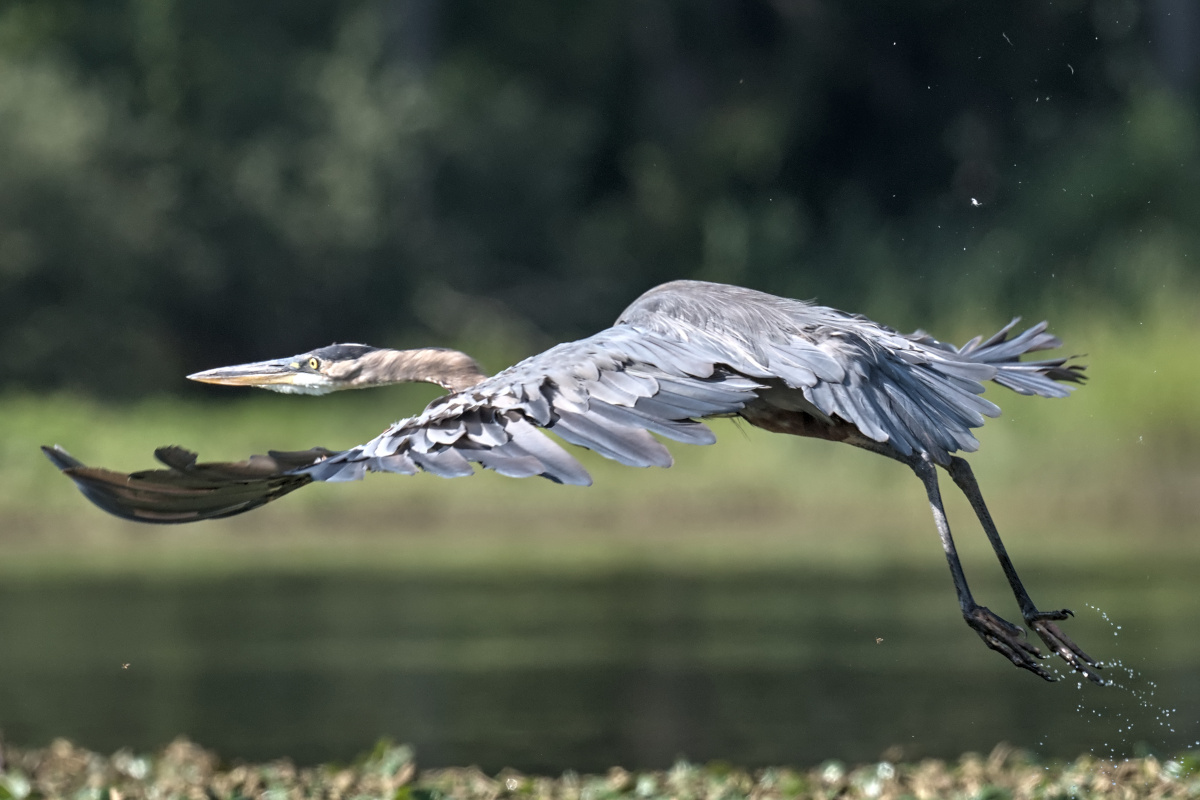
[913,392]
[607,393]
[894,390]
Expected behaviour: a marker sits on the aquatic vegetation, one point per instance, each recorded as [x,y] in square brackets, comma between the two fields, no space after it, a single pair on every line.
[183,769]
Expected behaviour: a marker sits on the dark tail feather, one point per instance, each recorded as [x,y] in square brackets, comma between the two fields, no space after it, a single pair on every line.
[1025,377]
[187,491]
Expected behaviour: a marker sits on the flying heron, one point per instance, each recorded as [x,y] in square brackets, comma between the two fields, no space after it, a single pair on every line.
[682,352]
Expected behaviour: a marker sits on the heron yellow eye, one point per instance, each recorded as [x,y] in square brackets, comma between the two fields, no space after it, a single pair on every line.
[314,363]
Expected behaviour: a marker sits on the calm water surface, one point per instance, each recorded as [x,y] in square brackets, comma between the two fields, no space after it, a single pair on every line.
[543,673]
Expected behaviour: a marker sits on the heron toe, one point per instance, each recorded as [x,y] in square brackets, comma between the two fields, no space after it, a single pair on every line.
[1007,639]
[1060,643]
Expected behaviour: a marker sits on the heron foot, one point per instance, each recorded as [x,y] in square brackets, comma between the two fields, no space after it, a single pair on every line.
[1043,623]
[1007,639]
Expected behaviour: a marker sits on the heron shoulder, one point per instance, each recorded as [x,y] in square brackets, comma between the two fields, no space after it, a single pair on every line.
[721,307]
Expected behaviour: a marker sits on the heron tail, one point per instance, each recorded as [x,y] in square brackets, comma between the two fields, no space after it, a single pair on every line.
[1043,378]
[187,491]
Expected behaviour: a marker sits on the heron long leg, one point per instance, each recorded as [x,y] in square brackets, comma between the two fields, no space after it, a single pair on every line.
[1040,621]
[928,475]
[997,633]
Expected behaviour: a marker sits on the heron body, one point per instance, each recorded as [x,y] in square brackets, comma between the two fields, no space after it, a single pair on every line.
[682,352]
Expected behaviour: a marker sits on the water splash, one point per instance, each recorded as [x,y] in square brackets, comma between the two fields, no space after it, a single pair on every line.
[1126,727]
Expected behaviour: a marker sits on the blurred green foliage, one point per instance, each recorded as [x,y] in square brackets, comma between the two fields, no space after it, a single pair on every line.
[196,182]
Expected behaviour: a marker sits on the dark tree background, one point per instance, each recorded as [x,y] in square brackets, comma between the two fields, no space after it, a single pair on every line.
[186,183]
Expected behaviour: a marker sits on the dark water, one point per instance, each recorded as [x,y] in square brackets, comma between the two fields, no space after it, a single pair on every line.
[545,673]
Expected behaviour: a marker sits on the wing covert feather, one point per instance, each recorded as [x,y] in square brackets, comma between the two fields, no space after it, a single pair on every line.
[601,393]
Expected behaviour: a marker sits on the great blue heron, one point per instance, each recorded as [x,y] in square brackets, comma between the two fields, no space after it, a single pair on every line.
[682,352]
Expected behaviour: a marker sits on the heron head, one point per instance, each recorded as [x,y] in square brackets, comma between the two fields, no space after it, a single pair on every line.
[350,366]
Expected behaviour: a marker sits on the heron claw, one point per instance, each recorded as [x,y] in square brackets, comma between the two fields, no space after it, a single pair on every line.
[1062,613]
[1060,643]
[1007,639]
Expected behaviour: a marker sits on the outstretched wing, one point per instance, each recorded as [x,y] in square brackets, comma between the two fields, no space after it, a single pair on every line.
[913,392]
[608,393]
[187,491]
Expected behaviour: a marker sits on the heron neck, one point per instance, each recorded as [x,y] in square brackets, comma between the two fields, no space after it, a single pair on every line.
[450,369]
